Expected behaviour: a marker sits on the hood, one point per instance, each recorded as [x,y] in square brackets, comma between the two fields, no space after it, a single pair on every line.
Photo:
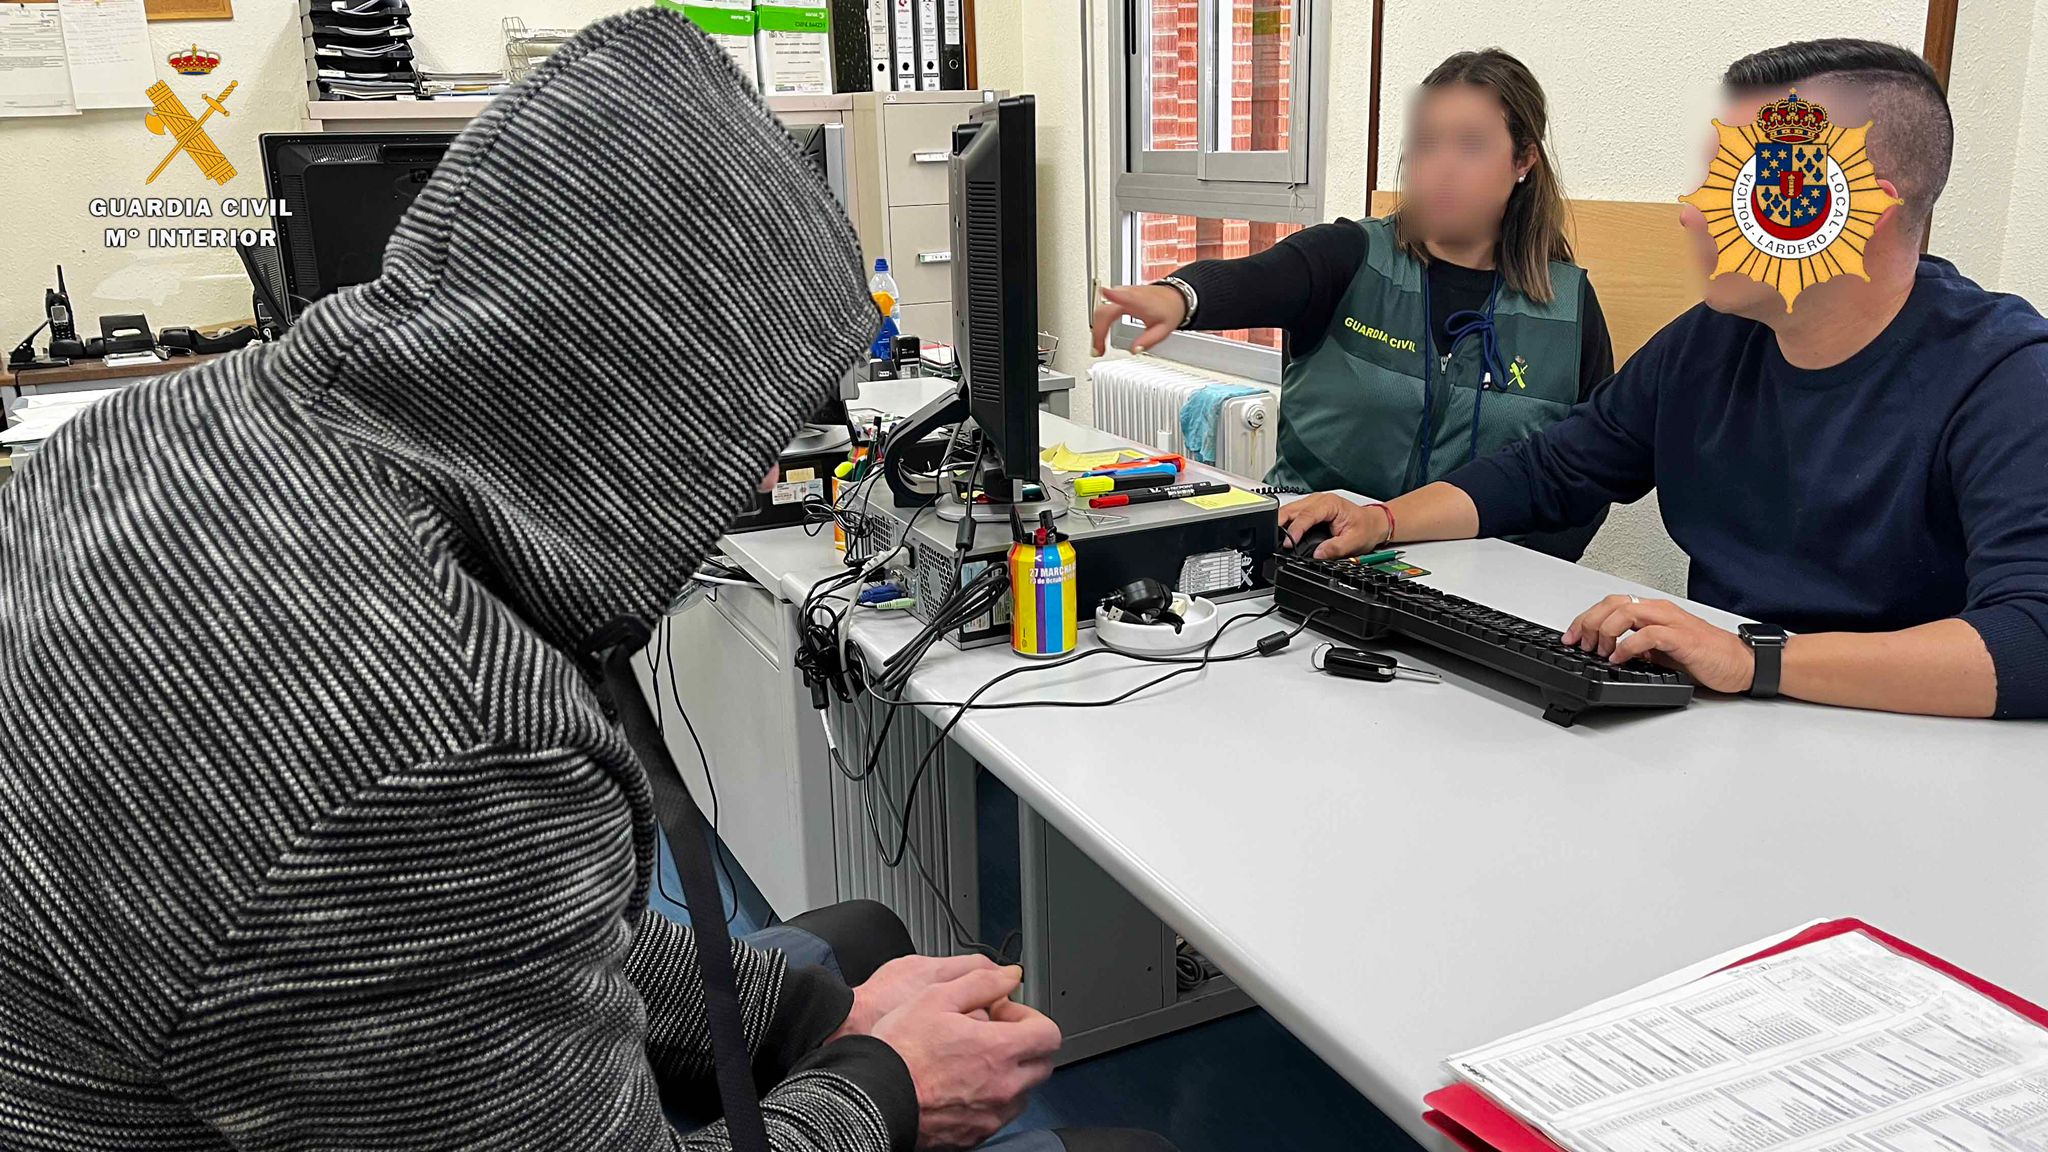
[613,304]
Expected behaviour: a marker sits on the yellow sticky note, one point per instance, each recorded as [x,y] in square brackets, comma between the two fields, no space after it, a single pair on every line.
[1061,458]
[1230,499]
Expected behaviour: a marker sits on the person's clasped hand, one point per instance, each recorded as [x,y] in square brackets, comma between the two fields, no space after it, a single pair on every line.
[973,1053]
[894,984]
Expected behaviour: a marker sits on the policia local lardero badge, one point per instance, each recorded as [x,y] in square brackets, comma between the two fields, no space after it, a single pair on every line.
[1791,199]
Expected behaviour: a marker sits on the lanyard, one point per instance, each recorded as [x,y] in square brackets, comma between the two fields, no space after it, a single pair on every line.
[611,662]
[1458,326]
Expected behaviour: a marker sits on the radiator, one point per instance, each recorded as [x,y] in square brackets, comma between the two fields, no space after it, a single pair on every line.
[939,857]
[1142,399]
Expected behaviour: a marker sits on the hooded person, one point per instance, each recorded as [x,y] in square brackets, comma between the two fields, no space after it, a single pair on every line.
[317,835]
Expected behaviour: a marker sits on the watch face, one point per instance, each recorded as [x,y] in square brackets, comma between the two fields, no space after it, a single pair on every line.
[1761,633]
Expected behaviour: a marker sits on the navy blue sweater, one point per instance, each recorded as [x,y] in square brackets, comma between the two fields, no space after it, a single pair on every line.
[1907,484]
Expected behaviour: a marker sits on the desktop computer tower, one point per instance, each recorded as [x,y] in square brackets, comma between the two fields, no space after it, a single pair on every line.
[1218,553]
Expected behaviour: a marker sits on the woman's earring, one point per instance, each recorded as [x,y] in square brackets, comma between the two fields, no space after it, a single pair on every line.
[1522,177]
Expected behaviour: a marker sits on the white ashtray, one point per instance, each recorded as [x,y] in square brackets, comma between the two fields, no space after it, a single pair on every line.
[1198,627]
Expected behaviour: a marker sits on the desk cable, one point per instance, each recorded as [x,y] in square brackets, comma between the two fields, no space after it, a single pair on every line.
[1187,665]
[654,674]
[870,777]
[821,648]
[829,664]
[1003,953]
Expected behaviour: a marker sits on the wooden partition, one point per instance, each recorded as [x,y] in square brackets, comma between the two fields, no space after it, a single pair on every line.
[1638,259]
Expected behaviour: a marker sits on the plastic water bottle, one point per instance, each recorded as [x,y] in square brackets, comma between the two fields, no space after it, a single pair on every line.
[882,287]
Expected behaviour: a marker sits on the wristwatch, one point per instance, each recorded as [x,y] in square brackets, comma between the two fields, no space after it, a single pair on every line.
[1187,295]
[1767,643]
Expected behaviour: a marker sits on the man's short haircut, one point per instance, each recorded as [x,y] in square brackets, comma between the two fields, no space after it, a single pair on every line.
[1913,135]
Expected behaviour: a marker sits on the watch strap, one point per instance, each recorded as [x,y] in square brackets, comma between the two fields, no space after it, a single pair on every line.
[1769,657]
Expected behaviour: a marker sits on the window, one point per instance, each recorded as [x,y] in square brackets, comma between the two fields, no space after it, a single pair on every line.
[1171,92]
[1215,151]
[1166,242]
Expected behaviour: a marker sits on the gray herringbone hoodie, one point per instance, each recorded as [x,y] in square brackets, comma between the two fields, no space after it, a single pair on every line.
[314,836]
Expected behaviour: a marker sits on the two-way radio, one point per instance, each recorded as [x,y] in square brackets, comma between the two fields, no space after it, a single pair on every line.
[64,341]
[57,305]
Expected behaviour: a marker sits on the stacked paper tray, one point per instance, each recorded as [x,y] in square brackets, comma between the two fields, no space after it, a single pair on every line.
[359,49]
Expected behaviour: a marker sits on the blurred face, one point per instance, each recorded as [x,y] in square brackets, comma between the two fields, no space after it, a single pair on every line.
[1459,166]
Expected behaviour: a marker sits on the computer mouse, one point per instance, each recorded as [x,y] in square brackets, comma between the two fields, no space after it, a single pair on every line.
[1304,546]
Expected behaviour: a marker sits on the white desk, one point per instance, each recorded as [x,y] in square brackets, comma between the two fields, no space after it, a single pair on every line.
[1400,871]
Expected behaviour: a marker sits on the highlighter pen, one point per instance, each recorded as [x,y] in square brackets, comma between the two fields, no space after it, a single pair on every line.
[1380,557]
[1171,460]
[1147,469]
[1104,485]
[1148,495]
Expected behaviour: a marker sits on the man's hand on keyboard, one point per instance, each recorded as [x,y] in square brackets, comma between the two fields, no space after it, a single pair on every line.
[1625,627]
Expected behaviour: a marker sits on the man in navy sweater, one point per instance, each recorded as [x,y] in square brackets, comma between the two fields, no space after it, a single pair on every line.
[1869,471]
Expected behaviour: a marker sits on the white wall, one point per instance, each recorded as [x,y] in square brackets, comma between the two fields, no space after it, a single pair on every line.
[1043,58]
[60,163]
[1989,221]
[1631,83]
[2025,269]
[57,165]
[1987,87]
[1349,110]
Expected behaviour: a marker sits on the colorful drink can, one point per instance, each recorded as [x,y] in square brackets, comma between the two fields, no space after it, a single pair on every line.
[1043,616]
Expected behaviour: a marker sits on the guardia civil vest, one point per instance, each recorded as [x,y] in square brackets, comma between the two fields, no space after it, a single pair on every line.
[1366,411]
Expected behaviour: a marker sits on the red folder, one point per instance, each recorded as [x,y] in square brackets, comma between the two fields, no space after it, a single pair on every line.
[1477,1124]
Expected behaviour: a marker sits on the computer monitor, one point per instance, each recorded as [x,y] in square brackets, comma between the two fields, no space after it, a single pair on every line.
[823,146]
[994,172]
[345,192]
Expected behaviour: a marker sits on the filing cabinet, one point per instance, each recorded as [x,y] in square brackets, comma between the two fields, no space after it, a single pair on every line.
[900,142]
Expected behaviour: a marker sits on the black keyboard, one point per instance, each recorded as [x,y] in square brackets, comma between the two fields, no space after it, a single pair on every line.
[1360,605]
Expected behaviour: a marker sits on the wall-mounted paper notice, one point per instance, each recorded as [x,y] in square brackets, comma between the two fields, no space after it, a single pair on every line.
[112,64]
[34,78]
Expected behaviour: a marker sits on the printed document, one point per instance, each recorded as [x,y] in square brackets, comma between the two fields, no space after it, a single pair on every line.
[35,78]
[112,64]
[1841,1045]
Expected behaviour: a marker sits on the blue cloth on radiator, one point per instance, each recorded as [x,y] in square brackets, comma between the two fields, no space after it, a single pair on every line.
[1198,418]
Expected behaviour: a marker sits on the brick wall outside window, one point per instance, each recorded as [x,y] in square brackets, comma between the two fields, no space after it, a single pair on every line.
[1254,115]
